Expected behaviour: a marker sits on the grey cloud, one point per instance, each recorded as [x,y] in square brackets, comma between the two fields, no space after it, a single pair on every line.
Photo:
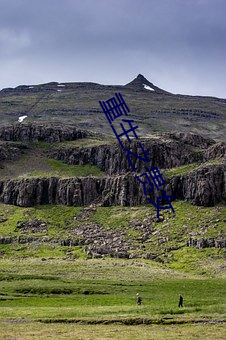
[178,44]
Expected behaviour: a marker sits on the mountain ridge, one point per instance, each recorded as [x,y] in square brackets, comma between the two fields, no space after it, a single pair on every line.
[77,104]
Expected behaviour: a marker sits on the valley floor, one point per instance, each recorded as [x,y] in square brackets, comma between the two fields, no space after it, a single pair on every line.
[96,299]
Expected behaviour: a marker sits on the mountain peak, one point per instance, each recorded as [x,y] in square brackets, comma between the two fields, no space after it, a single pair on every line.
[141,77]
[140,83]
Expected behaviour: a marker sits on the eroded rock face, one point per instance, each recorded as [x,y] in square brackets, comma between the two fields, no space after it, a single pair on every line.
[191,139]
[34,133]
[205,186]
[216,150]
[218,242]
[10,151]
[113,159]
[172,150]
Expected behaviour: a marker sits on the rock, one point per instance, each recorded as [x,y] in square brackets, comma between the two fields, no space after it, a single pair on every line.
[6,240]
[204,186]
[37,132]
[150,256]
[201,187]
[193,233]
[32,225]
[113,159]
[10,151]
[160,219]
[207,242]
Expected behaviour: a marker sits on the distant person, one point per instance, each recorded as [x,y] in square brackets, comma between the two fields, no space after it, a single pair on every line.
[139,299]
[180,301]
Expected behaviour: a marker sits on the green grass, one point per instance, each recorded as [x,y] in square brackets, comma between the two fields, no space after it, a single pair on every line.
[78,143]
[175,231]
[60,169]
[180,170]
[66,290]
[96,299]
[31,330]
[114,217]
[203,261]
[56,217]
[37,163]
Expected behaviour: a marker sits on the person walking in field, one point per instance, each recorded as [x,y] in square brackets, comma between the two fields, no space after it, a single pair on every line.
[139,299]
[180,301]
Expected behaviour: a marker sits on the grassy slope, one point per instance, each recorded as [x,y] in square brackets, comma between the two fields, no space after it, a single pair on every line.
[174,231]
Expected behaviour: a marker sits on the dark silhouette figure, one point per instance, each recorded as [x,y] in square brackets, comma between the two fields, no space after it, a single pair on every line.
[180,301]
[139,299]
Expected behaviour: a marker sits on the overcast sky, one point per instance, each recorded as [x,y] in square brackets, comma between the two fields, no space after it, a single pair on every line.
[179,45]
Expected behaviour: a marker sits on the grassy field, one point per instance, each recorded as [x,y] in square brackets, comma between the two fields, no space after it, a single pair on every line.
[110,332]
[96,299]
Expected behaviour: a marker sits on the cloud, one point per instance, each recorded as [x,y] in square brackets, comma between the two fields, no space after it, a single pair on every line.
[178,44]
[12,42]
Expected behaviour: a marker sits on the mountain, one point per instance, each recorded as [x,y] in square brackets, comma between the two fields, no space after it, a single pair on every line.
[77,104]
[63,157]
[140,83]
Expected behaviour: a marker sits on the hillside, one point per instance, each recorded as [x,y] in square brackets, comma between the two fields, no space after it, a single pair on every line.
[89,182]
[77,104]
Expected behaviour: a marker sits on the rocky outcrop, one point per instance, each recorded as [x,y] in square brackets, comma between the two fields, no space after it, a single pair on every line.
[10,150]
[191,139]
[33,225]
[218,242]
[34,133]
[205,186]
[216,150]
[113,159]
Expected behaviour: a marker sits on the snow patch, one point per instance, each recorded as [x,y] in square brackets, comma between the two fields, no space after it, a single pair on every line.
[21,118]
[31,87]
[148,87]
[61,85]
[59,90]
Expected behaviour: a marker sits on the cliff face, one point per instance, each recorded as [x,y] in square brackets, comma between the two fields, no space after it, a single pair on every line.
[113,159]
[11,151]
[204,187]
[216,150]
[34,133]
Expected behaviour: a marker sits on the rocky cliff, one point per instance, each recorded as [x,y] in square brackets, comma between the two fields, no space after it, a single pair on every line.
[163,153]
[205,186]
[11,150]
[37,132]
